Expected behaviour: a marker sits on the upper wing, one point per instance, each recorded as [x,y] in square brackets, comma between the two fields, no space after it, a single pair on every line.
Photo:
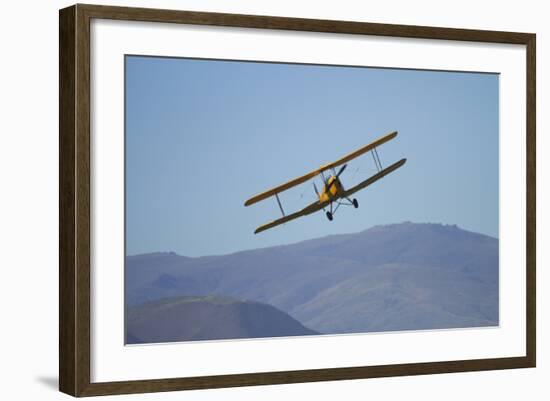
[360,151]
[374,178]
[308,176]
[311,208]
[281,188]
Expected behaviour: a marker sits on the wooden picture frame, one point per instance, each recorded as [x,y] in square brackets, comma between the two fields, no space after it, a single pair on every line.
[74,199]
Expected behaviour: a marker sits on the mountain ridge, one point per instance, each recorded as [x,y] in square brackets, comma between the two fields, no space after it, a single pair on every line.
[326,237]
[456,271]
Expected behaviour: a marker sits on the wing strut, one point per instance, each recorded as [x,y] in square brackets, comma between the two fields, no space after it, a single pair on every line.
[376,158]
[280,206]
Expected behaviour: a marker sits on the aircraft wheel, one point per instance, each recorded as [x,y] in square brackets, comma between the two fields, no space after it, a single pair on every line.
[329,216]
[355,203]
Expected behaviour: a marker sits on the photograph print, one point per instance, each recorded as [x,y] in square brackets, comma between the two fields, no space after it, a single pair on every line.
[267,200]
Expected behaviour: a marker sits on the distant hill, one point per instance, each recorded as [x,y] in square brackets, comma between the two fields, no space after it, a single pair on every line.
[207,318]
[394,277]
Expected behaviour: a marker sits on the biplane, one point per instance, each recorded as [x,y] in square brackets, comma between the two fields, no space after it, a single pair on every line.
[333,192]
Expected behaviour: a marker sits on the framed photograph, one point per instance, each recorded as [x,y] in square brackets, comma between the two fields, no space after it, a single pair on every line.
[250,200]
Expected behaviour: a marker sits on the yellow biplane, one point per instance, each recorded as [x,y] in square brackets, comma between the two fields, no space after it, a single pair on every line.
[333,190]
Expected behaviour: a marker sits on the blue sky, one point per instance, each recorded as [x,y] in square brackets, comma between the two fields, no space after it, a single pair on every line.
[202,136]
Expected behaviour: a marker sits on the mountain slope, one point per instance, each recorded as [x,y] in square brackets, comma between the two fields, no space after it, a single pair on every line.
[397,296]
[207,318]
[394,277]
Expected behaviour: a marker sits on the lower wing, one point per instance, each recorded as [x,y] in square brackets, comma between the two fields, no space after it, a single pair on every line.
[311,208]
[374,178]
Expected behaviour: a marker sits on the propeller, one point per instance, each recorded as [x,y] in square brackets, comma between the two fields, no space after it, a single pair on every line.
[316,190]
[341,170]
[328,186]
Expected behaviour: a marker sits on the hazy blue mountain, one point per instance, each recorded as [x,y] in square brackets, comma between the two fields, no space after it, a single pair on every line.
[207,318]
[393,277]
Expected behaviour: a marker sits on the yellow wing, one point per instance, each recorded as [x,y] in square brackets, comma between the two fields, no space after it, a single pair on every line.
[313,174]
[311,208]
[374,178]
[359,152]
[281,188]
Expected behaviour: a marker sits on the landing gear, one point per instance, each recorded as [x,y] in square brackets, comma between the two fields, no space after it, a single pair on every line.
[355,203]
[329,216]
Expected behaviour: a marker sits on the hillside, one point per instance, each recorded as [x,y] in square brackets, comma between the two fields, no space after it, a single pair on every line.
[207,318]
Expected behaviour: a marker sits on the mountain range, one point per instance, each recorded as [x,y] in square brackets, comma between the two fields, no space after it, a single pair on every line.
[408,276]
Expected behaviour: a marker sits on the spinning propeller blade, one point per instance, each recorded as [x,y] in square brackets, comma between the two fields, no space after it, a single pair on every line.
[341,170]
[329,186]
